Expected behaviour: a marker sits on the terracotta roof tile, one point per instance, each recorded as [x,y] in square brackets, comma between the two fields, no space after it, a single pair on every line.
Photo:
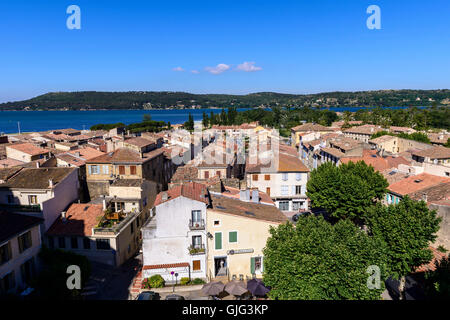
[29,149]
[415,183]
[166,266]
[437,152]
[192,190]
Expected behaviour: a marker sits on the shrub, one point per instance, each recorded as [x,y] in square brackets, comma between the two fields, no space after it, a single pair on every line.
[198,281]
[156,281]
[184,281]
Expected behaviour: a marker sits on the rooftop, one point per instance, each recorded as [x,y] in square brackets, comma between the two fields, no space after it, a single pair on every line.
[192,190]
[80,219]
[126,155]
[250,210]
[415,183]
[437,152]
[12,224]
[37,178]
[311,127]
[367,129]
[28,148]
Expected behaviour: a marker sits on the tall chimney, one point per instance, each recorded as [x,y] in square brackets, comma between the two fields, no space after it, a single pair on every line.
[50,183]
[104,203]
[424,197]
[37,164]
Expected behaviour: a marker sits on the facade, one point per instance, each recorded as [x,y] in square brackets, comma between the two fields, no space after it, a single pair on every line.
[40,192]
[307,132]
[26,152]
[20,243]
[239,231]
[286,185]
[175,237]
[362,133]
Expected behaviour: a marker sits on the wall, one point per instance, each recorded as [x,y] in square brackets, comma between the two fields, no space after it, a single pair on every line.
[444,231]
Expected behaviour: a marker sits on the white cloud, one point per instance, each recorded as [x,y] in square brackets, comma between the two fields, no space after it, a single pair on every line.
[195,71]
[221,67]
[248,67]
[178,69]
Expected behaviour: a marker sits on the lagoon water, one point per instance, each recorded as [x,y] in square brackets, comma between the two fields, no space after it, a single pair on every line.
[50,120]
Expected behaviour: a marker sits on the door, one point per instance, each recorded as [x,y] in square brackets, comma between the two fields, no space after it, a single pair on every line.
[268,191]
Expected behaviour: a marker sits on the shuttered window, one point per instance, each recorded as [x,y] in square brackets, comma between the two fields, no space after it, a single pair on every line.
[196,265]
[218,240]
[232,236]
[121,169]
[252,265]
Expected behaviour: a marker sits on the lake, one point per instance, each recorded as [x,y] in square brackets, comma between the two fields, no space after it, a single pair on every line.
[52,120]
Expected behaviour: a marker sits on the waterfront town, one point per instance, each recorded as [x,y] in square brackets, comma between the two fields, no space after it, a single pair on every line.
[191,214]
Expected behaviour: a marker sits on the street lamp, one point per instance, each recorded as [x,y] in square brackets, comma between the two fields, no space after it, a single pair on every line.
[176,276]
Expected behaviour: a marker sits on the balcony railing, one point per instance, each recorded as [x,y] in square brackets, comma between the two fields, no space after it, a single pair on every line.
[197,225]
[196,249]
[21,207]
[115,229]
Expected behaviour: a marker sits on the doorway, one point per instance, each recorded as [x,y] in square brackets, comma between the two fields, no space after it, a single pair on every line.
[220,266]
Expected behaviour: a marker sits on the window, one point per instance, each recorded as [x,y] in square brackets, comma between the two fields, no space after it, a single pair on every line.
[284,176]
[197,242]
[74,243]
[297,205]
[94,169]
[268,191]
[32,199]
[206,174]
[196,215]
[255,177]
[196,265]
[121,169]
[51,242]
[283,205]
[218,242]
[132,169]
[7,283]
[232,237]
[267,177]
[284,190]
[216,222]
[61,242]
[103,244]
[25,241]
[298,189]
[298,176]
[105,170]
[255,264]
[86,243]
[218,173]
[27,270]
[5,253]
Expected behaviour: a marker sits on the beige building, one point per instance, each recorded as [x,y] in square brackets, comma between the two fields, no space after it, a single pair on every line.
[20,243]
[239,232]
[307,132]
[394,145]
[26,152]
[362,133]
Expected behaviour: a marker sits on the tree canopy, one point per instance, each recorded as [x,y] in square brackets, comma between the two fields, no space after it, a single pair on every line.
[345,191]
[407,228]
[316,260]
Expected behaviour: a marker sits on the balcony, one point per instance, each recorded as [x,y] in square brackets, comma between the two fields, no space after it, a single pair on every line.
[197,225]
[113,223]
[197,249]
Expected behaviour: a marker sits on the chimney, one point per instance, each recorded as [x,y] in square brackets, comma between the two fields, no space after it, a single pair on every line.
[255,196]
[50,183]
[164,196]
[37,164]
[244,195]
[63,216]
[77,153]
[104,203]
[424,197]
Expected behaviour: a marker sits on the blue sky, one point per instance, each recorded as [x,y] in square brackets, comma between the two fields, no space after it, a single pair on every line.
[284,46]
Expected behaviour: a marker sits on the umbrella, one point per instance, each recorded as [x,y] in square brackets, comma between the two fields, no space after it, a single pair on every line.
[235,288]
[213,288]
[257,287]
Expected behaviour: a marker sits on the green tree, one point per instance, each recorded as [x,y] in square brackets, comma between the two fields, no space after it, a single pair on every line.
[189,125]
[345,191]
[205,120]
[447,144]
[438,281]
[407,228]
[316,260]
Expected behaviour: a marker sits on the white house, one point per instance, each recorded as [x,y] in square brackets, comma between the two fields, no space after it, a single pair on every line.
[174,240]
[40,192]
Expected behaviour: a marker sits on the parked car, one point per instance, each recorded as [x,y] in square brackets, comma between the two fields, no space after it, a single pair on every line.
[148,295]
[174,297]
[297,216]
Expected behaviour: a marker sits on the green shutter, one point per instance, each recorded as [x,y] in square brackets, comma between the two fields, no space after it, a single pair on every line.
[218,237]
[232,236]
[252,265]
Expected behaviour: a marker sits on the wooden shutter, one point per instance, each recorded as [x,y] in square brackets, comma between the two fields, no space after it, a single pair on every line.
[121,169]
[133,169]
[232,236]
[206,174]
[196,265]
[218,238]
[252,265]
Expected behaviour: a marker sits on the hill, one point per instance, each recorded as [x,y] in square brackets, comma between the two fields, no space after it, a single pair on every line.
[166,99]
